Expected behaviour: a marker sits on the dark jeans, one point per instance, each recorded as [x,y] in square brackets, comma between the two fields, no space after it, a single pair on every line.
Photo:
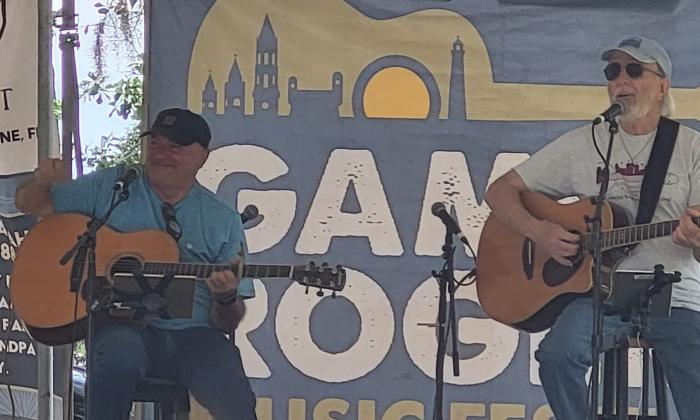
[565,355]
[202,359]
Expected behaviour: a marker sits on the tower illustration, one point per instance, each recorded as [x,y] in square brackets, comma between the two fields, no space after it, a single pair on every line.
[209,96]
[266,93]
[235,91]
[457,105]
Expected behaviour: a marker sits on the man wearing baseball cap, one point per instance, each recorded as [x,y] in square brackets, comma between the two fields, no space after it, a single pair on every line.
[638,72]
[165,196]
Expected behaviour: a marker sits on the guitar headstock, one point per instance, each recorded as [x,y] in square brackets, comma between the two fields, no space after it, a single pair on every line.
[320,276]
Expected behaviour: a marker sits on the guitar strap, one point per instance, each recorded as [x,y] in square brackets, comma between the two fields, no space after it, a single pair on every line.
[655,171]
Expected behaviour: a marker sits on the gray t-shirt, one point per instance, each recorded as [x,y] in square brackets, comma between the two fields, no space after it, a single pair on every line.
[568,166]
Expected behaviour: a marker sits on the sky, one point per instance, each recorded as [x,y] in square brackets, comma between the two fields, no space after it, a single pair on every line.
[94,119]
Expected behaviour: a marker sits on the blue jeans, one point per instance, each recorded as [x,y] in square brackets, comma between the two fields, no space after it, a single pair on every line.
[202,359]
[565,355]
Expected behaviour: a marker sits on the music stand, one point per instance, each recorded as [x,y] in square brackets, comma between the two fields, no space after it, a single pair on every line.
[636,297]
[145,297]
[630,290]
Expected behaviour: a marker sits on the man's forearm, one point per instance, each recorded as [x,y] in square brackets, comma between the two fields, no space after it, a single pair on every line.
[227,317]
[505,203]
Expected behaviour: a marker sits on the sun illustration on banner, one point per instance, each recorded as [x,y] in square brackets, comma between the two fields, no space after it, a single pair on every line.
[396,92]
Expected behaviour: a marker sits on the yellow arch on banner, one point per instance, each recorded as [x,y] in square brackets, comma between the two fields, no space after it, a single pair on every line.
[333,36]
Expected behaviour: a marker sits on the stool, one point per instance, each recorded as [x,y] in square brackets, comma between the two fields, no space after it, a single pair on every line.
[615,380]
[171,400]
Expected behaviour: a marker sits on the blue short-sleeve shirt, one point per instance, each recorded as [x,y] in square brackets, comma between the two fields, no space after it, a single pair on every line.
[211,231]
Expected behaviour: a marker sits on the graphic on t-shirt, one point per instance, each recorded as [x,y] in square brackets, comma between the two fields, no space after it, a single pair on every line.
[626,181]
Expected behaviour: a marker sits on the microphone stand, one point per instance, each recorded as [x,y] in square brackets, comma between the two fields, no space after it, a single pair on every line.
[447,285]
[595,225]
[83,253]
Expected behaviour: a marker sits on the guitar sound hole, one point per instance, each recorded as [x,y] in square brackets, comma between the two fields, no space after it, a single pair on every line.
[555,274]
[126,265]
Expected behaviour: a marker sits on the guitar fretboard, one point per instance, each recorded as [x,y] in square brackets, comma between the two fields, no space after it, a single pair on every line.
[629,235]
[204,270]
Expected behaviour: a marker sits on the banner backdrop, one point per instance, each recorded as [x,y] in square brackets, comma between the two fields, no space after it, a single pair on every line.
[343,122]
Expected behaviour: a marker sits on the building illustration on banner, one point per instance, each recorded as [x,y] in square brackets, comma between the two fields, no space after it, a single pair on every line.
[323,103]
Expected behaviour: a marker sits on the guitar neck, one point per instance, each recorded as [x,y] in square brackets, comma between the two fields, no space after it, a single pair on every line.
[203,271]
[634,234]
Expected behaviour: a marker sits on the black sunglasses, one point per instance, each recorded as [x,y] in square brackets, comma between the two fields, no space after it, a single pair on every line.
[634,71]
[171,224]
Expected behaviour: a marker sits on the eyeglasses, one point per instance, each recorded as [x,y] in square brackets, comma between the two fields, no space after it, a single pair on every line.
[634,71]
[171,224]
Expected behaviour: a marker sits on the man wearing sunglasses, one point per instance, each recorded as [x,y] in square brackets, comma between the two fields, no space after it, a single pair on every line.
[638,71]
[190,351]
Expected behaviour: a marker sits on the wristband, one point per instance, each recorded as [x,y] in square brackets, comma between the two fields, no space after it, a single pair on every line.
[226,299]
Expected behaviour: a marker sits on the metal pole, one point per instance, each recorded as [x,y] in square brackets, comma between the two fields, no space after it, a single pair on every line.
[44,354]
[68,41]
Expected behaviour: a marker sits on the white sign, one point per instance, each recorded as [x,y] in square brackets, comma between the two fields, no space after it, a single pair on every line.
[18,86]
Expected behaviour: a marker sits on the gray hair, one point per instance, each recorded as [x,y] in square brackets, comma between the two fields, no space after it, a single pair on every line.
[668,105]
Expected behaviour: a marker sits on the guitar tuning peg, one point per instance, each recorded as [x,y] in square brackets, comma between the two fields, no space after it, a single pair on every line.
[333,295]
[319,293]
[306,290]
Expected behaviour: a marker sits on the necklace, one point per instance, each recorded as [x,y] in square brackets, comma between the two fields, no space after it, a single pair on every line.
[633,159]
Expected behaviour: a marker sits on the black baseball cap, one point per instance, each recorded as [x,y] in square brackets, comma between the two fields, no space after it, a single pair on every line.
[181,126]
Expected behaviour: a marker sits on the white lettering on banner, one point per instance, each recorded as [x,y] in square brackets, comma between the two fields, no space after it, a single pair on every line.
[14,239]
[505,162]
[255,312]
[535,339]
[16,325]
[449,181]
[17,346]
[372,345]
[276,206]
[346,168]
[328,406]
[500,341]
[397,410]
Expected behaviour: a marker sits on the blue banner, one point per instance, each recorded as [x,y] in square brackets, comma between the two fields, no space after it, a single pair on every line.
[343,122]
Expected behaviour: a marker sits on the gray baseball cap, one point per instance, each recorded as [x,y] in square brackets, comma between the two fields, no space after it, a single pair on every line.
[644,50]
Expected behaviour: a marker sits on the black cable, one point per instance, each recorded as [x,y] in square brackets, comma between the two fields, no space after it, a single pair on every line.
[595,143]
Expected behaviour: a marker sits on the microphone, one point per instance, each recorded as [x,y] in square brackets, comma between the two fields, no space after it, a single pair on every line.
[249,213]
[609,114]
[439,210]
[130,174]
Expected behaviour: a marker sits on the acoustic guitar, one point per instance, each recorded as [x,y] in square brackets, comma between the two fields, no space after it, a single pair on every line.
[40,288]
[520,286]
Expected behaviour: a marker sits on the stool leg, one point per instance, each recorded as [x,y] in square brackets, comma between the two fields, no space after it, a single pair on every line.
[659,388]
[622,383]
[166,411]
[645,382]
[608,383]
